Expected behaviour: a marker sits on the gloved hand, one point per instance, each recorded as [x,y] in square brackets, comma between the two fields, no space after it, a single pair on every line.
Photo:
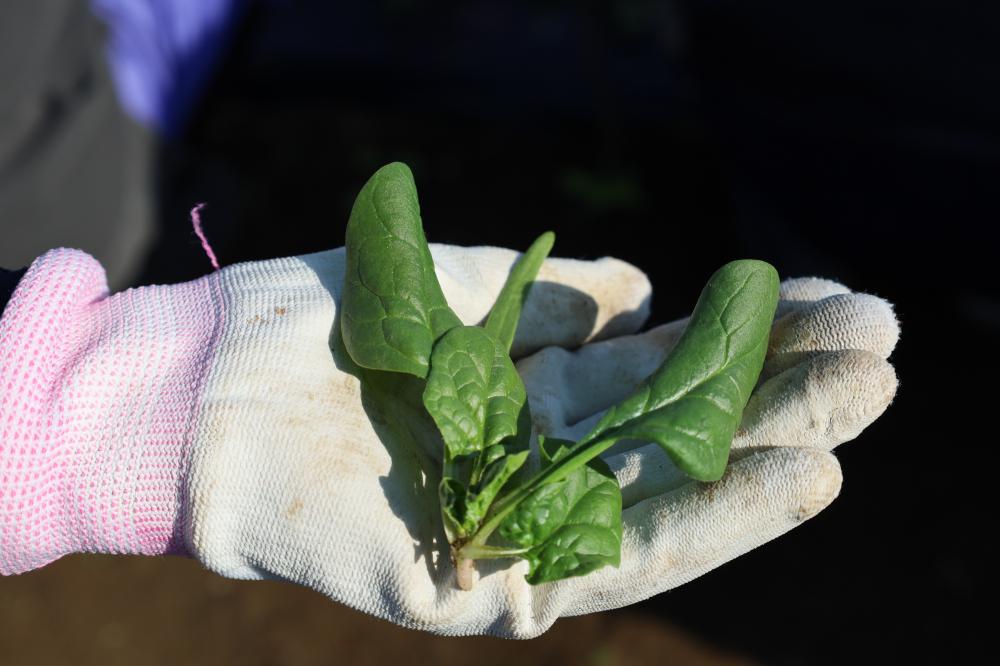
[105,400]
[234,436]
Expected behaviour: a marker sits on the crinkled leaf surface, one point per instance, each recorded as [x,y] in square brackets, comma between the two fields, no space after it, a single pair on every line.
[570,527]
[474,393]
[479,404]
[692,405]
[393,306]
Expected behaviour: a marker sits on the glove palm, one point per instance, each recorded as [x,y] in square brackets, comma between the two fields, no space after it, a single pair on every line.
[297,474]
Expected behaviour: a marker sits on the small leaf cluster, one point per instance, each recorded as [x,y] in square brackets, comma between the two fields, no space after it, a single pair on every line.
[565,518]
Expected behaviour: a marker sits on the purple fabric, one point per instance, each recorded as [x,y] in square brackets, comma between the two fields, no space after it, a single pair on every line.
[162,52]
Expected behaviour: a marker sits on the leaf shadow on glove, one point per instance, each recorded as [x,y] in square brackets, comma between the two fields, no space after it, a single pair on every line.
[555,314]
[392,402]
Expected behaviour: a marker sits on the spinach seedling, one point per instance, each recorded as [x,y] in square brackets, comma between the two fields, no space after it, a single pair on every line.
[565,517]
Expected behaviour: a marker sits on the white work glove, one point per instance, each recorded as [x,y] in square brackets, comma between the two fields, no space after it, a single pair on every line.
[290,480]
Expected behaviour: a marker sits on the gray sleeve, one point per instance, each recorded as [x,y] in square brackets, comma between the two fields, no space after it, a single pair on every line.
[8,283]
[75,170]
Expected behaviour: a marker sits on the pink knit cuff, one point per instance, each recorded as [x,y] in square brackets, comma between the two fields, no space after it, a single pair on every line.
[97,401]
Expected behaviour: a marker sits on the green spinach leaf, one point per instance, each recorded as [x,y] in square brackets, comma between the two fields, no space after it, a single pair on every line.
[506,312]
[474,393]
[691,406]
[569,527]
[393,307]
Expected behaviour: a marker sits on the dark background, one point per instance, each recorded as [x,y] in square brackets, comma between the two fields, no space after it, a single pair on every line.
[852,140]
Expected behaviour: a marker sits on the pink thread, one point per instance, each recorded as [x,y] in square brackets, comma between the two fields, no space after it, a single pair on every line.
[196,221]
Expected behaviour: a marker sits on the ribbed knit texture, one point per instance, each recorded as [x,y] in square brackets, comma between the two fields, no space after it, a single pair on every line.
[98,394]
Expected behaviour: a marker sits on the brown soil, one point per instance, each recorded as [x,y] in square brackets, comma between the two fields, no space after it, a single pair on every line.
[105,610]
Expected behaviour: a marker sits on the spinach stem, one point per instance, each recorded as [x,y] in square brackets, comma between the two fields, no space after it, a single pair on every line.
[473,551]
[578,456]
